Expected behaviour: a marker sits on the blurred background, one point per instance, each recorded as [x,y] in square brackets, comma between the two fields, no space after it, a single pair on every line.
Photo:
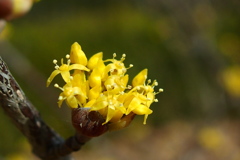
[191,47]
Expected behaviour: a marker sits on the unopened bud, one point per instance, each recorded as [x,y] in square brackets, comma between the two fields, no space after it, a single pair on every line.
[88,123]
[10,9]
[6,8]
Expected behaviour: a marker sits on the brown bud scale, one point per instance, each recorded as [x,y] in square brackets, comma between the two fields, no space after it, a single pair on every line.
[88,123]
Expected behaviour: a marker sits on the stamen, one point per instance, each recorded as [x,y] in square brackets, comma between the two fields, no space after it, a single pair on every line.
[155,100]
[69,61]
[67,56]
[130,66]
[71,77]
[144,87]
[114,55]
[54,61]
[149,81]
[159,91]
[75,92]
[108,86]
[60,98]
[148,99]
[114,85]
[123,57]
[57,86]
[129,87]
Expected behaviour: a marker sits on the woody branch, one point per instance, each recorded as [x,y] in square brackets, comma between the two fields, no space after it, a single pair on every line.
[45,142]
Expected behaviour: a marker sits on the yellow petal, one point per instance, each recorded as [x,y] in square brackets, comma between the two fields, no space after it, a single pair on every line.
[72,102]
[82,99]
[77,55]
[125,80]
[94,92]
[51,77]
[79,79]
[150,96]
[90,103]
[142,109]
[95,78]
[93,61]
[66,76]
[110,114]
[117,116]
[122,123]
[78,66]
[140,78]
[134,103]
[122,109]
[100,103]
[122,97]
[127,98]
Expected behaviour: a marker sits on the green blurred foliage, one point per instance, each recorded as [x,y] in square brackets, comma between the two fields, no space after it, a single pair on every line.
[185,44]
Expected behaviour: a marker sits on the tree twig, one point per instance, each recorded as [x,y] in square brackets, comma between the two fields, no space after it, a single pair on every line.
[45,142]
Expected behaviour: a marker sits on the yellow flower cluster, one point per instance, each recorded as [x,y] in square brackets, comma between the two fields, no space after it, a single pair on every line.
[102,85]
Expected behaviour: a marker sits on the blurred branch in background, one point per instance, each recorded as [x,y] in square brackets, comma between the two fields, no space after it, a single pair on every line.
[2,25]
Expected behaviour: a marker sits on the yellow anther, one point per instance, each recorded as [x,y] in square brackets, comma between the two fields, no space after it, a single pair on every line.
[149,81]
[60,98]
[67,56]
[54,61]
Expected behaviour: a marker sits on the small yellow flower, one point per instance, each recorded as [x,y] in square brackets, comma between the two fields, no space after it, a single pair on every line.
[102,86]
[140,78]
[64,70]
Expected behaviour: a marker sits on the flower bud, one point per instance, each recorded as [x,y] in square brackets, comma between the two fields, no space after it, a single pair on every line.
[6,7]
[88,123]
[10,9]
